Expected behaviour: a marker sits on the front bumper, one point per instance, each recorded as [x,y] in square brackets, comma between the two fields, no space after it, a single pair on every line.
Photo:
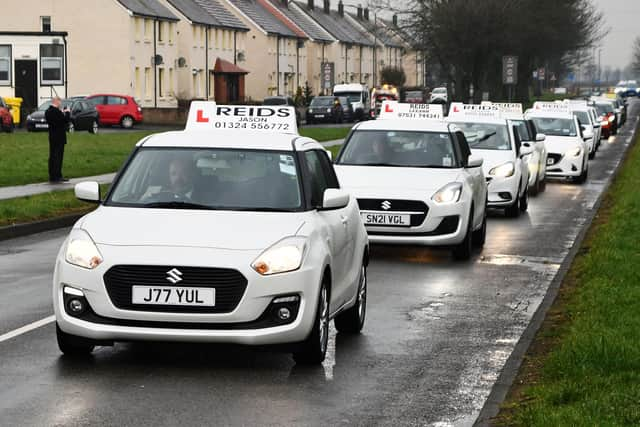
[502,191]
[240,326]
[564,166]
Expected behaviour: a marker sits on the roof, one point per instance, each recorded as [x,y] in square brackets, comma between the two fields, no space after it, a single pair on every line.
[226,67]
[148,8]
[303,21]
[258,13]
[226,139]
[208,12]
[405,125]
[336,25]
[382,33]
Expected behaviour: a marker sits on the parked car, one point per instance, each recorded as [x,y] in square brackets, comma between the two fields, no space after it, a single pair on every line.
[322,109]
[120,110]
[348,113]
[414,97]
[439,95]
[84,116]
[283,100]
[6,118]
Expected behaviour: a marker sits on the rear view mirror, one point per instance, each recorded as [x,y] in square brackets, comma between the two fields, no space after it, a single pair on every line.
[335,199]
[88,191]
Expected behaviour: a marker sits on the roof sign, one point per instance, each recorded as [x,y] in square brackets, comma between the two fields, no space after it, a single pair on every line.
[397,110]
[207,115]
[509,109]
[459,110]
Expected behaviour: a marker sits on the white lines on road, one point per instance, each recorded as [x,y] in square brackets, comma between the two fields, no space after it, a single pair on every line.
[27,328]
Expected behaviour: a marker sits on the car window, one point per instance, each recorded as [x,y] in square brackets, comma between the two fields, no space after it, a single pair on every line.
[520,126]
[97,100]
[322,101]
[116,100]
[555,126]
[400,149]
[583,117]
[352,96]
[317,182]
[486,136]
[210,179]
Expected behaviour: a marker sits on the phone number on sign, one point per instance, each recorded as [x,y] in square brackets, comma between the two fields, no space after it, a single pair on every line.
[254,126]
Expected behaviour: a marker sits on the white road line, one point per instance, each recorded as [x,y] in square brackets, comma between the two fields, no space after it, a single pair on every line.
[27,328]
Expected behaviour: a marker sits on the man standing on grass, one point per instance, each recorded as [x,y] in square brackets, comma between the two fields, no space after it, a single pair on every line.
[58,120]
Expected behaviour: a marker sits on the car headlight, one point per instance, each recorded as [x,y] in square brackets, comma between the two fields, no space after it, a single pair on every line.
[612,118]
[328,110]
[82,251]
[505,170]
[284,256]
[574,152]
[450,193]
[29,117]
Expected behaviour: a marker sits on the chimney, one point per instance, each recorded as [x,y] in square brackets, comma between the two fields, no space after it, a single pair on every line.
[310,4]
[395,20]
[366,13]
[340,8]
[327,6]
[359,12]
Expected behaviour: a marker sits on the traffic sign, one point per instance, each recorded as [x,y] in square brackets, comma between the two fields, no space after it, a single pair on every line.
[510,70]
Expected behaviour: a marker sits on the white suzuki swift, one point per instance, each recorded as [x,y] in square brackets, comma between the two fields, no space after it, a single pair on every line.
[234,230]
[415,180]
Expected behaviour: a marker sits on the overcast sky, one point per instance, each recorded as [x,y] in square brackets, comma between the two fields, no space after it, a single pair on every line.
[622,17]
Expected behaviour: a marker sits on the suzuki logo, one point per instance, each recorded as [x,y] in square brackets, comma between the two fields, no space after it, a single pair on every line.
[174,276]
[386,205]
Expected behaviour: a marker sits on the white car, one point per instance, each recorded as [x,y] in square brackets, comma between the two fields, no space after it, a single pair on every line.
[415,182]
[234,230]
[491,137]
[568,151]
[589,125]
[439,94]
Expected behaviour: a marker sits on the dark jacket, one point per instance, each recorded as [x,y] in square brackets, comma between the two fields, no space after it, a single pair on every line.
[58,122]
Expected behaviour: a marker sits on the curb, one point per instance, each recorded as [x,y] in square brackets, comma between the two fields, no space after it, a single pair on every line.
[20,230]
[511,368]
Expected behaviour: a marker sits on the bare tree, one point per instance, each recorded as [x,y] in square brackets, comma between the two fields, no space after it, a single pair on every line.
[635,62]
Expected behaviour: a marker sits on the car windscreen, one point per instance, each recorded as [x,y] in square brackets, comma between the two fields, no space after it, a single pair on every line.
[275,101]
[486,136]
[209,178]
[399,149]
[439,90]
[604,108]
[553,126]
[44,106]
[583,117]
[322,101]
[353,96]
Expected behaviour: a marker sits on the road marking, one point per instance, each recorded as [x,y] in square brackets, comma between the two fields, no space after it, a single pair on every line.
[27,328]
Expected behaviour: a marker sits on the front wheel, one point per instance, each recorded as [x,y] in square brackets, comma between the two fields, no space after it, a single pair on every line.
[72,345]
[314,349]
[94,127]
[126,122]
[72,127]
[513,211]
[480,235]
[351,321]
[463,250]
[582,178]
[524,200]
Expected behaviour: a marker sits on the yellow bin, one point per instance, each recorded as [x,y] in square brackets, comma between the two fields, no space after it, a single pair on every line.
[15,104]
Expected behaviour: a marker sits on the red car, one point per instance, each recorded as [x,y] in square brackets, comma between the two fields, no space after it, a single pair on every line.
[120,110]
[6,118]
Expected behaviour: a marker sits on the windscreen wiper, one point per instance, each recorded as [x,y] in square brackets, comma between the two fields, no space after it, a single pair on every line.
[177,205]
[484,138]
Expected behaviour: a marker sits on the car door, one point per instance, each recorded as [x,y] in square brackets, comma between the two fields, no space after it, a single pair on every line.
[80,112]
[99,102]
[334,225]
[476,179]
[522,168]
[541,147]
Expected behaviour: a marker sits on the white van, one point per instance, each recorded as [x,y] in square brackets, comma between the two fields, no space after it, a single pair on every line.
[358,96]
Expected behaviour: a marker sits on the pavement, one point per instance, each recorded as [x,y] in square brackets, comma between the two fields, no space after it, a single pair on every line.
[437,337]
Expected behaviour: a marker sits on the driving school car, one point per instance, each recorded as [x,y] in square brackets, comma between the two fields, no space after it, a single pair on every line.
[568,150]
[490,136]
[415,180]
[235,230]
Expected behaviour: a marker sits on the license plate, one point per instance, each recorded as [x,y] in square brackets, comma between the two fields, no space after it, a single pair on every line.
[169,295]
[320,116]
[370,218]
[549,161]
[42,125]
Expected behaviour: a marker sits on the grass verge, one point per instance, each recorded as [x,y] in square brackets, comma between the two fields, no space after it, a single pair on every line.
[583,368]
[24,156]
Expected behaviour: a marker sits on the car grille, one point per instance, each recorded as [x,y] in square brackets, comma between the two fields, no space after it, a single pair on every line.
[556,158]
[229,284]
[376,205]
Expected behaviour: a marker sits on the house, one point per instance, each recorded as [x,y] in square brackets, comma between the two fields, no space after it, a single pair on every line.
[414,62]
[211,49]
[276,51]
[115,46]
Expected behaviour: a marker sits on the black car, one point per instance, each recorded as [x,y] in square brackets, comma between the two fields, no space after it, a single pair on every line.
[84,116]
[324,110]
[283,100]
[348,113]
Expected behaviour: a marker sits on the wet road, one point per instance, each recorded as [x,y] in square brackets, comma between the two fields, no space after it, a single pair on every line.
[438,333]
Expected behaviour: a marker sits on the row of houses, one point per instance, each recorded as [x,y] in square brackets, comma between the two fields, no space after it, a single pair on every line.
[164,51]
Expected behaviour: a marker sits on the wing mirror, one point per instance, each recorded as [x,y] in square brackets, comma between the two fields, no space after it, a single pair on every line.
[474,161]
[541,137]
[335,198]
[88,191]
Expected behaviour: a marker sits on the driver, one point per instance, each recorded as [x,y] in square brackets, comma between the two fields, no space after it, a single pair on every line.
[181,177]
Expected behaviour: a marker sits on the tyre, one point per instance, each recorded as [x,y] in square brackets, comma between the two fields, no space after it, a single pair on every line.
[535,189]
[314,349]
[582,178]
[72,345]
[542,185]
[126,122]
[592,155]
[480,235]
[71,128]
[463,250]
[524,200]
[513,211]
[94,127]
[351,321]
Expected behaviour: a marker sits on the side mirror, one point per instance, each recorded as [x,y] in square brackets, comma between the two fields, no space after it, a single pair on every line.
[335,199]
[474,162]
[88,191]
[541,137]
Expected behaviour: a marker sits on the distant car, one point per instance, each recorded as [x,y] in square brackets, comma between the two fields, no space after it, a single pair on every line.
[6,118]
[439,94]
[607,118]
[120,110]
[322,110]
[414,97]
[84,116]
[283,100]
[348,113]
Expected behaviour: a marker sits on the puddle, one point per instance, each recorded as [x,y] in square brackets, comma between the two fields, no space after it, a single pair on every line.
[534,263]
